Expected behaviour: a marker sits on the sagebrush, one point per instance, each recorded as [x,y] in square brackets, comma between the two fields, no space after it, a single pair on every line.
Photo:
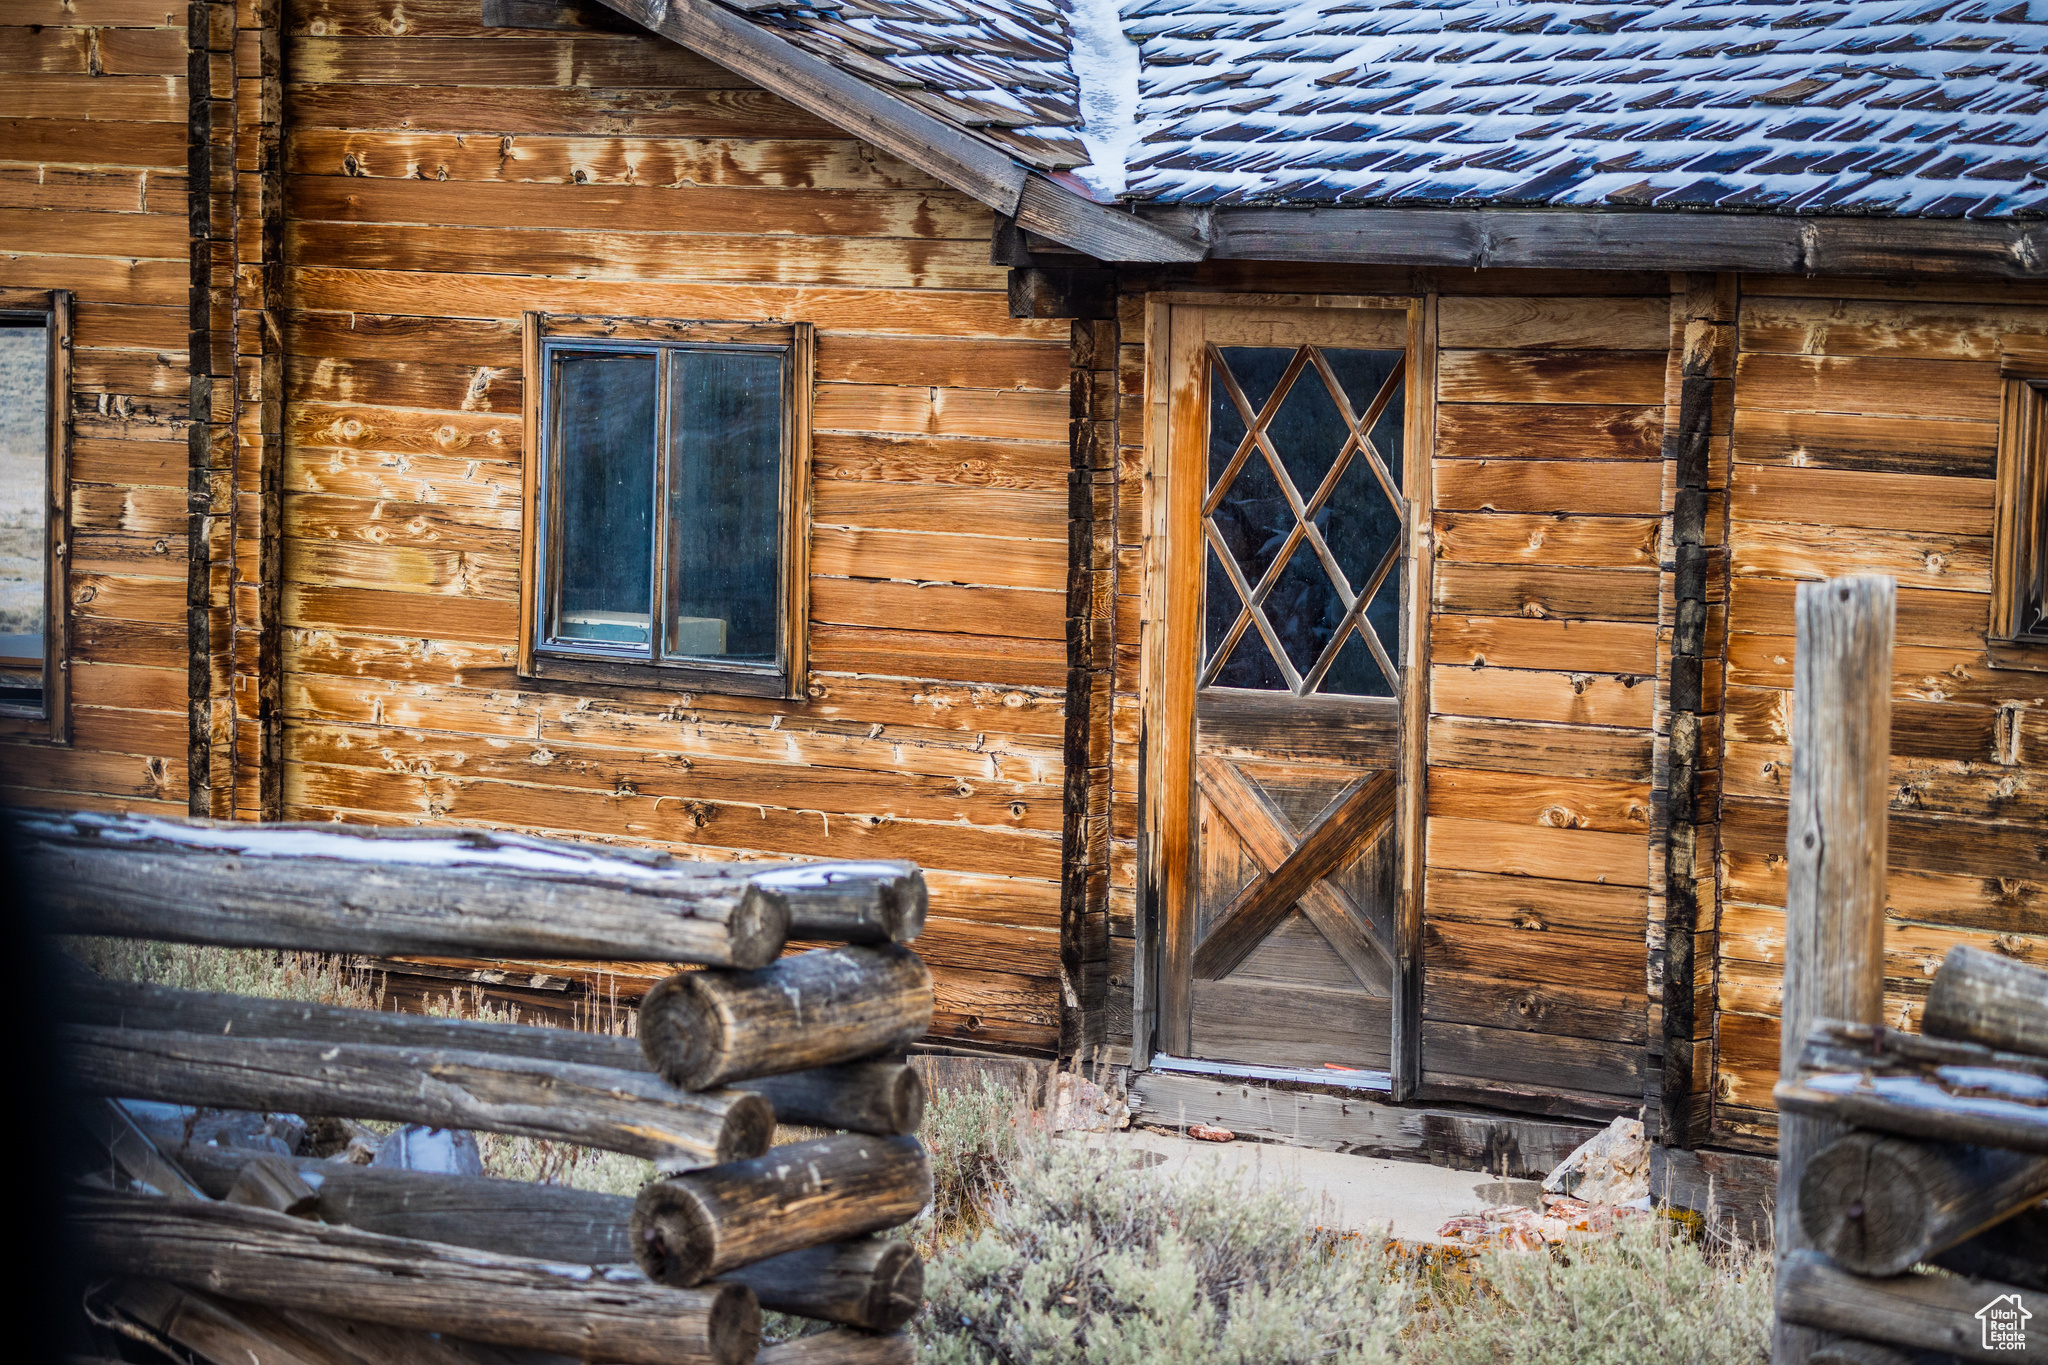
[1055,1253]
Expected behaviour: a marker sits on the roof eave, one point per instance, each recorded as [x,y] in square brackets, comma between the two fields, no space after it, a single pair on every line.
[1593,239]
[899,127]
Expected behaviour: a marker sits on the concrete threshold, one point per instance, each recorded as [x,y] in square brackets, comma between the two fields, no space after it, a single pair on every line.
[1405,1200]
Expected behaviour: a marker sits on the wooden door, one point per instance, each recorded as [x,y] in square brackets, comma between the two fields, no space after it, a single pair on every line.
[1283,623]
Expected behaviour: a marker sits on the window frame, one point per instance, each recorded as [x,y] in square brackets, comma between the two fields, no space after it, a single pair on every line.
[51,722]
[2019,552]
[548,334]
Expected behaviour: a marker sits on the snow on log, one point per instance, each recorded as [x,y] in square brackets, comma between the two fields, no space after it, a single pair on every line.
[370,889]
[1873,1077]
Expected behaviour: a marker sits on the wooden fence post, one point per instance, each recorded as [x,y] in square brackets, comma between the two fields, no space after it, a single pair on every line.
[1835,852]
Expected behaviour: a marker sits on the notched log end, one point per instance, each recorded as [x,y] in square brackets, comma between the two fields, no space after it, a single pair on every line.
[906,1102]
[673,1239]
[758,928]
[683,1033]
[898,1290]
[908,900]
[749,1128]
[734,1325]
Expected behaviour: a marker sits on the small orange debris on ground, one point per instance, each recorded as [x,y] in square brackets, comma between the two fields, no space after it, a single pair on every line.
[1561,1219]
[1208,1134]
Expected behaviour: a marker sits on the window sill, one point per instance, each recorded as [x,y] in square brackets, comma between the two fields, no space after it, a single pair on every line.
[731,682]
[2020,655]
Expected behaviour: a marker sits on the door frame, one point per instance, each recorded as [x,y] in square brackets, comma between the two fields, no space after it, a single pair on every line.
[1169,610]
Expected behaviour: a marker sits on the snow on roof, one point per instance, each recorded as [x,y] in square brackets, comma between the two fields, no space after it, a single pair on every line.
[998,67]
[1925,107]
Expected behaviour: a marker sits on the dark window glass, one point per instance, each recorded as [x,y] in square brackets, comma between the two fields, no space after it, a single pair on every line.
[667,488]
[724,527]
[2031,620]
[24,506]
[604,467]
[1268,511]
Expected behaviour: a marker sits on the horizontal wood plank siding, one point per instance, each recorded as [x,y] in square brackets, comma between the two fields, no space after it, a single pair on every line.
[1544,646]
[621,175]
[93,118]
[1865,431]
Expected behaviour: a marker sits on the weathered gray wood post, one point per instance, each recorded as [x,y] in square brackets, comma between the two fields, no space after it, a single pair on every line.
[1835,853]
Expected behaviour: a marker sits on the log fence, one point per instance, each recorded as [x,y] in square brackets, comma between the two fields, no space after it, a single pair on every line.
[1896,1151]
[235,1254]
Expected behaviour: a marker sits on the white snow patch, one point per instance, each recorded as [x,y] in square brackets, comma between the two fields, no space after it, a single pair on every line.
[510,852]
[1106,64]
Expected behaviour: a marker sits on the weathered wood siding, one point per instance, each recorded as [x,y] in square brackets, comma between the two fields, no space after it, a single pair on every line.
[444,178]
[93,112]
[1549,496]
[1865,435]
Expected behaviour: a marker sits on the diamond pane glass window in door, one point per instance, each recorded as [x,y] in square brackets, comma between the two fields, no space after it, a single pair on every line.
[1302,519]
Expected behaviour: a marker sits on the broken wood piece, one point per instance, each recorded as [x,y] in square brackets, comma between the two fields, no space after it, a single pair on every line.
[1880,1205]
[1874,1077]
[842,1346]
[134,1153]
[1927,1312]
[874,1284]
[274,1183]
[270,1259]
[369,889]
[689,1228]
[702,1029]
[1980,997]
[884,1097]
[620,1111]
[879,902]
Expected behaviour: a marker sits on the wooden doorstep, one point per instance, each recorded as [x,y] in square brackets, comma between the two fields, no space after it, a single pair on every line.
[1337,1119]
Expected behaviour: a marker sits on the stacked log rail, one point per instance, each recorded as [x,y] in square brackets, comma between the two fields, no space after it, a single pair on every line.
[1895,1151]
[1945,1165]
[742,1038]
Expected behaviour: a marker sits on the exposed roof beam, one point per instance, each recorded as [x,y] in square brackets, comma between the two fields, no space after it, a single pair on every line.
[1619,240]
[815,85]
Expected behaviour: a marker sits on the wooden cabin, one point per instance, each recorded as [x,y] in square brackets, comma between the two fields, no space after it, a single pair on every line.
[1289,513]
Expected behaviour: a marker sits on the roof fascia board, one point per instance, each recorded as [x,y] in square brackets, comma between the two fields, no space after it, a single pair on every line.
[816,86]
[1562,239]
[1100,230]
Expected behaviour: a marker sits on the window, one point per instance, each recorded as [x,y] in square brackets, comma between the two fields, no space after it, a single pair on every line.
[2019,563]
[667,504]
[34,354]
